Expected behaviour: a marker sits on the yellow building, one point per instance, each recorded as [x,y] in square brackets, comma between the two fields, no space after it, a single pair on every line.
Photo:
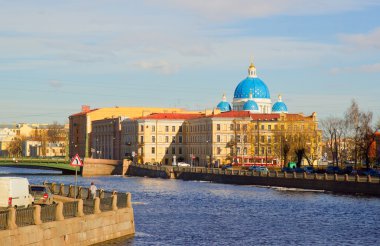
[242,137]
[80,124]
[157,138]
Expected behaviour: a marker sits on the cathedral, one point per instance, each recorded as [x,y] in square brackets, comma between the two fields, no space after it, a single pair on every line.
[252,95]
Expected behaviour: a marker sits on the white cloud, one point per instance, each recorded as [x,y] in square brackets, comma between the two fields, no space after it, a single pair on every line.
[368,68]
[162,67]
[237,9]
[55,83]
[368,40]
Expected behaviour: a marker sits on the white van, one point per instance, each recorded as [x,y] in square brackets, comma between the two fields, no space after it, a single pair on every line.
[14,192]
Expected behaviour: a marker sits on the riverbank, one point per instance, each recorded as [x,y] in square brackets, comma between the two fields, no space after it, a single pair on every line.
[334,183]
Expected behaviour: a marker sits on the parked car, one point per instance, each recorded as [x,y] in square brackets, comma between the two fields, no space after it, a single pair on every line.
[308,169]
[228,166]
[14,192]
[183,164]
[42,194]
[288,170]
[371,172]
[259,169]
[333,170]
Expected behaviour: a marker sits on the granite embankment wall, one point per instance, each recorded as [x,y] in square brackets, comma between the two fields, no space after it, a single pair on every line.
[333,183]
[99,167]
[86,230]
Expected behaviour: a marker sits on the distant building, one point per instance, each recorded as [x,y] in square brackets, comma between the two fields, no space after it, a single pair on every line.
[80,124]
[155,138]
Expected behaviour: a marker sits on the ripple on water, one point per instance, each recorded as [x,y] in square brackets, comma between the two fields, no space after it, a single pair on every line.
[175,212]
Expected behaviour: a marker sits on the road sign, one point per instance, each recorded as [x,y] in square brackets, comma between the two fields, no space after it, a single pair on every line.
[76,161]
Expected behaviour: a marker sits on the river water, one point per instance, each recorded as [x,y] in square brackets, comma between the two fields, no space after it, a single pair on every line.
[176,212]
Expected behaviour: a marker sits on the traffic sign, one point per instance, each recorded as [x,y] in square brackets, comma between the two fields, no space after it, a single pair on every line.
[76,161]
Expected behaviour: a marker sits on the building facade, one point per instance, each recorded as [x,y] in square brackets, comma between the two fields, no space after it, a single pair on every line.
[157,138]
[80,124]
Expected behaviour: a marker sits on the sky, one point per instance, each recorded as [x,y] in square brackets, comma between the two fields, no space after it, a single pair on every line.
[56,56]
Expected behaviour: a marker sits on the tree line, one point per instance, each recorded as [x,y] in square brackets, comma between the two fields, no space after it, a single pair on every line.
[351,137]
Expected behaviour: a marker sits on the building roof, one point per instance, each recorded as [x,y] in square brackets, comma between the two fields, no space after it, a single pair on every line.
[245,114]
[170,116]
[84,112]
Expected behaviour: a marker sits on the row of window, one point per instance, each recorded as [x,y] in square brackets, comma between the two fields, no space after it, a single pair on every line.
[173,151]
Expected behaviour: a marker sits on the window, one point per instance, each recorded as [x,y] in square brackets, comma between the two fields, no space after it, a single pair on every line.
[173,128]
[153,150]
[262,150]
[256,150]
[166,128]
[245,127]
[180,129]
[153,128]
[180,139]
[180,150]
[153,139]
[173,139]
[141,128]
[218,150]
[269,139]
[245,150]
[173,150]
[218,127]
[141,139]
[269,150]
[238,127]
[269,127]
[238,150]
[238,138]
[166,161]
[245,139]
[218,138]
[256,126]
[262,127]
[262,139]
[166,139]
[282,127]
[232,127]
[166,150]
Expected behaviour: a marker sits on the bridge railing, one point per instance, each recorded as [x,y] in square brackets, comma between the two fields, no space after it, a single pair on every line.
[12,218]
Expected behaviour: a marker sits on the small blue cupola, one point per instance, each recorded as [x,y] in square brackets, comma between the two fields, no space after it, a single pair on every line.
[279,106]
[224,106]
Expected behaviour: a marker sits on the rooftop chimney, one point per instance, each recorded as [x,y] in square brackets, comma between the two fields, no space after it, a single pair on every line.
[85,108]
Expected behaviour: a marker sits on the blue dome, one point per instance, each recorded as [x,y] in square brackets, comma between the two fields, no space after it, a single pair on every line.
[254,84]
[250,105]
[224,106]
[279,107]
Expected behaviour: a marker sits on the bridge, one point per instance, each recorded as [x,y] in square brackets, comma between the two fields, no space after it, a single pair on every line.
[44,164]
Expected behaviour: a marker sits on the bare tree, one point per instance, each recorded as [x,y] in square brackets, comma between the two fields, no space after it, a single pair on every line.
[15,147]
[352,117]
[55,133]
[366,136]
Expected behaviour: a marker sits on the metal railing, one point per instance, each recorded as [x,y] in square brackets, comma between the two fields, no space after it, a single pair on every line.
[106,204]
[88,206]
[48,212]
[70,209]
[3,219]
[121,200]
[24,216]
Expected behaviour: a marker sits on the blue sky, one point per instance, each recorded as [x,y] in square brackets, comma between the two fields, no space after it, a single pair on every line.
[59,55]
